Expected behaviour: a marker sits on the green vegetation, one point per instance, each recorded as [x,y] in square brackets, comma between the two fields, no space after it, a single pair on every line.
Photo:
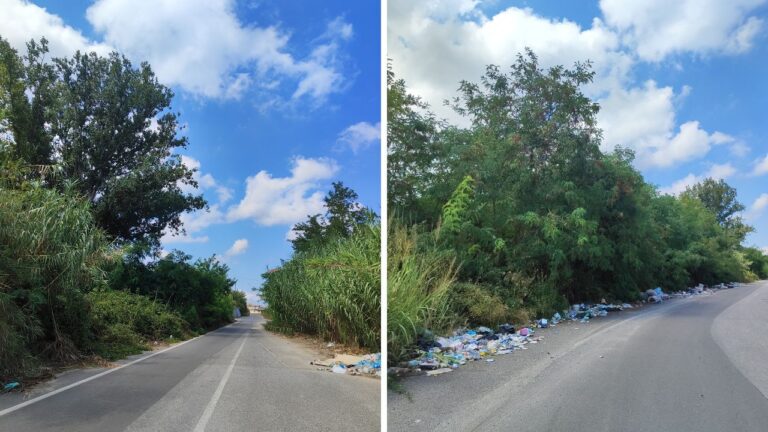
[419,282]
[201,292]
[89,181]
[531,211]
[331,285]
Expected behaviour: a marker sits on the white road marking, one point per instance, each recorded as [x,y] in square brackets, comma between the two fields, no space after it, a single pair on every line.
[99,375]
[203,422]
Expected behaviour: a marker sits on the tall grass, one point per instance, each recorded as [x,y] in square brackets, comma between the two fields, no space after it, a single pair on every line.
[50,255]
[333,291]
[419,283]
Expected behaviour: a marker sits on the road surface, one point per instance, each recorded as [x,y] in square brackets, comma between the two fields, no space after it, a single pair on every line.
[697,364]
[238,378]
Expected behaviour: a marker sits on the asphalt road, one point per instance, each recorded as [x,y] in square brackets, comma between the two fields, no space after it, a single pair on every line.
[697,364]
[238,378]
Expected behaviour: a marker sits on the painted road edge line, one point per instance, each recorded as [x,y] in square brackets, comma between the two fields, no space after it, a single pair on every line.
[203,422]
[99,375]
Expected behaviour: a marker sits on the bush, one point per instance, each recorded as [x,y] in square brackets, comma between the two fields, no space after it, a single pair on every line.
[479,305]
[331,290]
[124,322]
[200,291]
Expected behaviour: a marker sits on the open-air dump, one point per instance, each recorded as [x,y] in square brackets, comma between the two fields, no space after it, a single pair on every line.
[443,354]
[366,365]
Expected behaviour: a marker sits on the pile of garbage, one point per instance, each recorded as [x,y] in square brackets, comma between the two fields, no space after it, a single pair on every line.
[701,289]
[369,364]
[584,312]
[444,354]
[9,386]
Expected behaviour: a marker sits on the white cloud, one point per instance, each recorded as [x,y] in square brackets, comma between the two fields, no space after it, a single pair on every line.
[183,239]
[272,200]
[643,118]
[359,136]
[659,28]
[195,222]
[716,172]
[434,45]
[721,171]
[204,181]
[339,28]
[761,166]
[757,208]
[21,21]
[202,46]
[237,248]
[198,45]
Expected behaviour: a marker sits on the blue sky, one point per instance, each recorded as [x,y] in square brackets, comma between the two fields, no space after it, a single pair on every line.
[683,83]
[278,99]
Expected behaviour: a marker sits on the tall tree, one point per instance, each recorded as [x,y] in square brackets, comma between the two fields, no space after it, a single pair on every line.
[413,149]
[110,129]
[718,197]
[342,216]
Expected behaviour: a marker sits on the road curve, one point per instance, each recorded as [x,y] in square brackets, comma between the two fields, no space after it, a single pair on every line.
[695,364]
[239,377]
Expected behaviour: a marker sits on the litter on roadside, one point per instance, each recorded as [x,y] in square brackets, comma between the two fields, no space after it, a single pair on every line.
[10,386]
[439,355]
[369,364]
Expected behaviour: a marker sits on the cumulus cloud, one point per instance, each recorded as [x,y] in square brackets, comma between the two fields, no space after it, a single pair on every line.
[659,28]
[273,200]
[643,118]
[238,247]
[761,166]
[757,208]
[716,172]
[200,46]
[193,223]
[204,181]
[434,45]
[21,21]
[359,136]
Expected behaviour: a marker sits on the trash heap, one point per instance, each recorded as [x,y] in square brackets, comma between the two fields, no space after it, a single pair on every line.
[369,364]
[9,386]
[701,289]
[584,312]
[443,354]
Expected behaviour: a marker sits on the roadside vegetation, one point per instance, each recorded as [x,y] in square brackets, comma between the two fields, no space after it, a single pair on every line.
[89,182]
[331,286]
[520,213]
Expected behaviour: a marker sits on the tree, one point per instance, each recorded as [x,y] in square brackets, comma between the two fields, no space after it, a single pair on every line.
[27,116]
[241,302]
[110,130]
[342,216]
[718,197]
[413,149]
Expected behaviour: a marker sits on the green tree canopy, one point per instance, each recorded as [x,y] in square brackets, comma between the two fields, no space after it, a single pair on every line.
[109,129]
[342,216]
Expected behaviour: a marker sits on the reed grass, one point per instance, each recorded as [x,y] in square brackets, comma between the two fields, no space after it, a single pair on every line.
[333,291]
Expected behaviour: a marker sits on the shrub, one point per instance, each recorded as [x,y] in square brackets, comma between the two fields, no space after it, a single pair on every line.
[116,313]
